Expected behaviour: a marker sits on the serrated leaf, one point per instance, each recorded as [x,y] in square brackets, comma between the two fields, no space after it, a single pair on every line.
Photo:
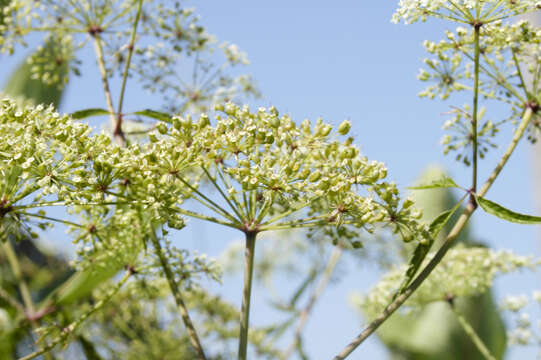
[497,210]
[157,115]
[444,182]
[83,114]
[422,249]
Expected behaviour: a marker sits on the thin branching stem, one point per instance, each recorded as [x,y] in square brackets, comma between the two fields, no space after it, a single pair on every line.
[453,234]
[472,334]
[98,48]
[75,324]
[117,130]
[175,289]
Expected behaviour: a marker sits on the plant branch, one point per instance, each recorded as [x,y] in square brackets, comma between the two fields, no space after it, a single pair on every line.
[105,83]
[74,325]
[117,130]
[453,234]
[246,294]
[477,28]
[470,331]
[17,273]
[173,285]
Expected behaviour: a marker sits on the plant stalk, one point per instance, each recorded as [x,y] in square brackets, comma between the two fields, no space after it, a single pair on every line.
[119,138]
[173,285]
[246,294]
[470,331]
[477,55]
[453,234]
[117,130]
[74,325]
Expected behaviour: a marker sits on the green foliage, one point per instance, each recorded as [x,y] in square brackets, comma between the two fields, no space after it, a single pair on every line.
[495,209]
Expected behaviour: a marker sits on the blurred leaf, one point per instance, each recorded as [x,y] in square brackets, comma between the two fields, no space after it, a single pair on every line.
[78,286]
[433,333]
[423,248]
[444,182]
[20,84]
[155,115]
[503,213]
[300,290]
[83,114]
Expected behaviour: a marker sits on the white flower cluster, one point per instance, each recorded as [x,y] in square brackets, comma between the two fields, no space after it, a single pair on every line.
[525,332]
[463,272]
[411,11]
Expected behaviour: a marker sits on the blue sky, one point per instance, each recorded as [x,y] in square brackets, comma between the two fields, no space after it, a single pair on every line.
[346,60]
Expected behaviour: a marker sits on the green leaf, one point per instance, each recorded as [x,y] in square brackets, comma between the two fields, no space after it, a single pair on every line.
[423,248]
[303,286]
[499,211]
[155,115]
[79,285]
[444,182]
[83,114]
[20,84]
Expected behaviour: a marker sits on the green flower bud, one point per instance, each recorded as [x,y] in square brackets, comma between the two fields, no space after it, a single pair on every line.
[315,176]
[162,128]
[344,127]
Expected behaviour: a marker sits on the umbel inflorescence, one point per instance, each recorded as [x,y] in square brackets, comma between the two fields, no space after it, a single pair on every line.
[508,61]
[267,173]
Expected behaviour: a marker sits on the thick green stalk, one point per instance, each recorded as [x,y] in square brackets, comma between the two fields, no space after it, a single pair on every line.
[183,310]
[117,130]
[470,331]
[74,325]
[453,234]
[246,294]
[477,28]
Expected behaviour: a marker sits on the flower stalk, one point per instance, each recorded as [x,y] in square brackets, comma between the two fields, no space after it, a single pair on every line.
[246,293]
[453,234]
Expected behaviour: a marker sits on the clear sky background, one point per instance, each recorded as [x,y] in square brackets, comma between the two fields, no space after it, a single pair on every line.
[345,60]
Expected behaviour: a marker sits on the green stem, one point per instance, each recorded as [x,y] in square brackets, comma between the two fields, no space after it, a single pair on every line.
[246,294]
[117,131]
[470,331]
[477,28]
[174,287]
[453,234]
[215,183]
[105,83]
[74,325]
[17,273]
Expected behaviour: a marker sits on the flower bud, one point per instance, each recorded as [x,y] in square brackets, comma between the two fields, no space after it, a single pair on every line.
[344,127]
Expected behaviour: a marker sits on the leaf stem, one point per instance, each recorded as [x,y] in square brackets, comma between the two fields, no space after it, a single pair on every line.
[173,285]
[453,234]
[246,294]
